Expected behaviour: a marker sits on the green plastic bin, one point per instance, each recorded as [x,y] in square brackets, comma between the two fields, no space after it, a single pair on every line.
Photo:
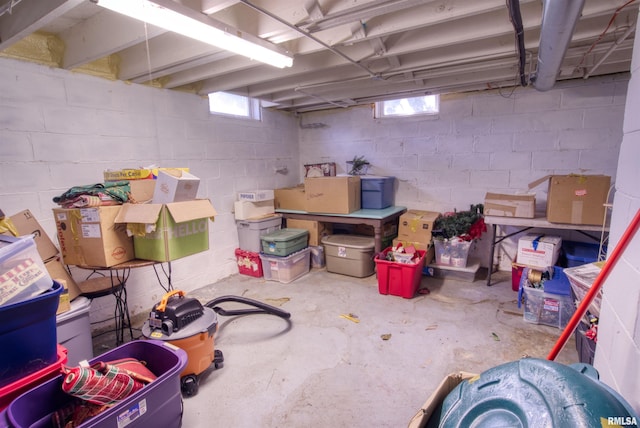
[284,241]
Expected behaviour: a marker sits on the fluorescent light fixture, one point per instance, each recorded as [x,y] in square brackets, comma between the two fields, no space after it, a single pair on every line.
[188,22]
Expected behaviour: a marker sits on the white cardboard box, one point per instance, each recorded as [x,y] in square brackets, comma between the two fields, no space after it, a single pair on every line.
[537,250]
[174,185]
[245,210]
[256,195]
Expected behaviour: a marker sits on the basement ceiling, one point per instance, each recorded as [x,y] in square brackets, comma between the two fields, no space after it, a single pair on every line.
[345,52]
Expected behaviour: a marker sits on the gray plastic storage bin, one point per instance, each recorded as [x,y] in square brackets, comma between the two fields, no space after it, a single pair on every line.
[74,331]
[284,241]
[351,255]
[250,232]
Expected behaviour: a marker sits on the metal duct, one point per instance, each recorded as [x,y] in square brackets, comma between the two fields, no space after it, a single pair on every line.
[559,18]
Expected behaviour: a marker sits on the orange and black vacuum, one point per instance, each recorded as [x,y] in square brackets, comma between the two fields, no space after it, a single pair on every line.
[186,323]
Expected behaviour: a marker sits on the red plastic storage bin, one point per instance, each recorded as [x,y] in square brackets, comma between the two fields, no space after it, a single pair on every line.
[14,389]
[249,263]
[399,279]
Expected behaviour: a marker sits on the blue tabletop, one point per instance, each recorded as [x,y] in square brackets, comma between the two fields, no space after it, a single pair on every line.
[366,213]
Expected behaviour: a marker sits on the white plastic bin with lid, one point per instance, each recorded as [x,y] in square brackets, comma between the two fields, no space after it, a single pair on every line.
[74,331]
[351,255]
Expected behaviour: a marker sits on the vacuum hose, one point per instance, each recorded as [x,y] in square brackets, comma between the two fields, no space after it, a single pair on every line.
[259,307]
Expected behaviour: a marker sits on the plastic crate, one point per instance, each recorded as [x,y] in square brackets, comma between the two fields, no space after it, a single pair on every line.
[284,241]
[9,392]
[552,305]
[28,337]
[74,331]
[580,253]
[349,254]
[286,269]
[581,279]
[250,231]
[249,263]
[399,279]
[586,347]
[157,404]
[454,252]
[22,271]
[376,192]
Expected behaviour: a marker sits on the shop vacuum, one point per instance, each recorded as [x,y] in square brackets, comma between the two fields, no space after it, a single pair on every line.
[186,323]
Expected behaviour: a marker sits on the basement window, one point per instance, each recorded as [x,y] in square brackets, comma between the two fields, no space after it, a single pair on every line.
[227,104]
[404,107]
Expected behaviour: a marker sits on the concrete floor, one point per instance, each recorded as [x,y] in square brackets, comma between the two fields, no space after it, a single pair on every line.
[321,369]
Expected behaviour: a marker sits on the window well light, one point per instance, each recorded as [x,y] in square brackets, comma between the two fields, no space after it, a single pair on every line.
[190,23]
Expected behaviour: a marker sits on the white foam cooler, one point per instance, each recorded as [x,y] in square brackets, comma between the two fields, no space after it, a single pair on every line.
[74,331]
[351,255]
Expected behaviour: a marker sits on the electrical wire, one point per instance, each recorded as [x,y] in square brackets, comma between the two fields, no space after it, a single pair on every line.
[613,17]
[516,19]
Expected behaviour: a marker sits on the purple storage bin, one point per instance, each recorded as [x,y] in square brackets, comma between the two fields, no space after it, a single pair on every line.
[158,404]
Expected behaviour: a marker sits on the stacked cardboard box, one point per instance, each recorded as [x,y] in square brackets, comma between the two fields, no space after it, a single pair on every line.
[332,195]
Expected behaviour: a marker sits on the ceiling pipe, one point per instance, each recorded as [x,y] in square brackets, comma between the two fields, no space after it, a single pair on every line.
[559,19]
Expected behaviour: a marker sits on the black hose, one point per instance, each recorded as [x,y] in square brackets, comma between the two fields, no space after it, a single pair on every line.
[516,20]
[261,308]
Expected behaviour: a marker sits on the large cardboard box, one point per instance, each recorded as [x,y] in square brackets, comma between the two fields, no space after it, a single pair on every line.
[416,226]
[59,273]
[26,224]
[333,195]
[291,198]
[503,205]
[165,232]
[317,229]
[175,185]
[422,417]
[576,199]
[540,251]
[89,236]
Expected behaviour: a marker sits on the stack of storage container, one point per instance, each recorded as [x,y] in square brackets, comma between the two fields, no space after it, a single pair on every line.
[285,254]
[255,217]
[28,302]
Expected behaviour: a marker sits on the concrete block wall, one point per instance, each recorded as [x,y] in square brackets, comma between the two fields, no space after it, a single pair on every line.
[60,129]
[618,350]
[497,141]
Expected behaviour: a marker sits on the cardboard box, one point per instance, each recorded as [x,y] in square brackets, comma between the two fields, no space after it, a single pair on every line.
[417,245]
[333,195]
[389,230]
[26,224]
[59,273]
[576,199]
[64,304]
[327,169]
[416,225]
[165,232]
[422,416]
[89,236]
[540,251]
[317,230]
[175,185]
[502,205]
[127,174]
[291,198]
[141,191]
[246,210]
[132,174]
[256,195]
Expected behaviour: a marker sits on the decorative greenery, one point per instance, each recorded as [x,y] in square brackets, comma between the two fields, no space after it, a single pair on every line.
[359,165]
[467,225]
